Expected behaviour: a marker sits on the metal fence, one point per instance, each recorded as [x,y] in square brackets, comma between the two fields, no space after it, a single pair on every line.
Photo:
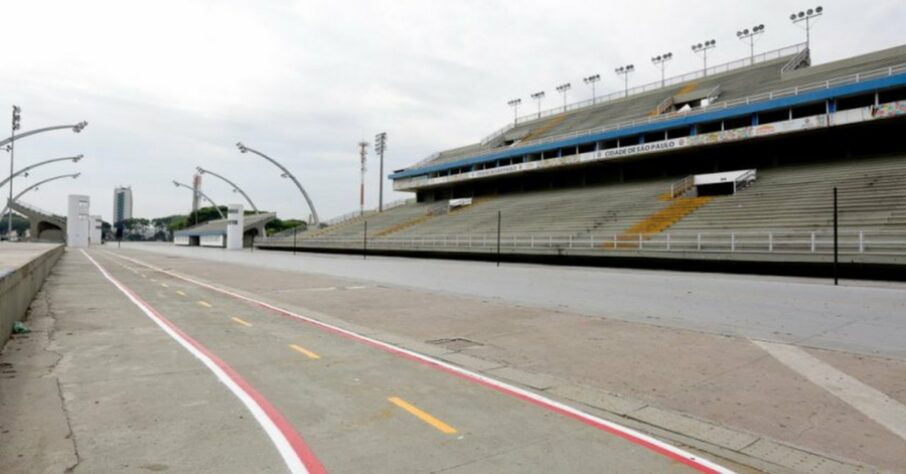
[850,242]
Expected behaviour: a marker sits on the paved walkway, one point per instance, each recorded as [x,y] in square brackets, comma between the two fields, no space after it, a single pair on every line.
[141,370]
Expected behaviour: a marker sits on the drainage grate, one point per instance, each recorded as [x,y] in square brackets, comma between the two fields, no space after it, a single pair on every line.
[455,343]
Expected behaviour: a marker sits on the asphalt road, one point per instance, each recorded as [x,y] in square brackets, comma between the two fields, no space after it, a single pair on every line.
[321,400]
[854,317]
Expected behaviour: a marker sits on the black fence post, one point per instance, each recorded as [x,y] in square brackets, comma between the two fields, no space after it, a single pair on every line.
[294,240]
[836,240]
[365,242]
[498,237]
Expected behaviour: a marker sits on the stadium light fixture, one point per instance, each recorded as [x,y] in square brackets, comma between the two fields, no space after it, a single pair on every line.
[236,188]
[515,105]
[17,120]
[563,88]
[286,174]
[625,71]
[807,16]
[35,186]
[591,80]
[702,49]
[538,96]
[661,61]
[750,36]
[205,196]
[380,145]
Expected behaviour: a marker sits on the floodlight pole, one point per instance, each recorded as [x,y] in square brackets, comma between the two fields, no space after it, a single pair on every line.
[749,36]
[380,145]
[515,105]
[591,80]
[286,174]
[563,88]
[235,187]
[216,207]
[807,16]
[35,186]
[625,71]
[538,96]
[661,61]
[363,153]
[703,49]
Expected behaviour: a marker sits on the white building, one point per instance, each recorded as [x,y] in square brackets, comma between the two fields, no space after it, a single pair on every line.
[122,204]
[78,223]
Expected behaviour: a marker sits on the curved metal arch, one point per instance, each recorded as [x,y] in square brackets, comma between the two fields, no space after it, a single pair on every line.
[71,175]
[75,128]
[237,188]
[75,159]
[286,173]
[190,188]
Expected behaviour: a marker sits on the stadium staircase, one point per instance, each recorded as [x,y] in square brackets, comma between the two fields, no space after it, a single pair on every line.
[549,125]
[658,222]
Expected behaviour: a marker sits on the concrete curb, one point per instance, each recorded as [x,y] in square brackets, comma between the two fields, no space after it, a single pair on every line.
[18,286]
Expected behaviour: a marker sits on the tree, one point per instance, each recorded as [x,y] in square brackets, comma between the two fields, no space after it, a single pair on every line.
[20,224]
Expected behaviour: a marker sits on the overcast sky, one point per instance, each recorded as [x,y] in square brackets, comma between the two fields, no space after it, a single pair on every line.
[170,85]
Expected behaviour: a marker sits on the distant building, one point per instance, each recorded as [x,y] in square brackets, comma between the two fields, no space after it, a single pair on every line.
[122,204]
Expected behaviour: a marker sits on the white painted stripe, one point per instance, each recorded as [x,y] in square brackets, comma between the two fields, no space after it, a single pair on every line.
[873,403]
[330,288]
[539,399]
[286,451]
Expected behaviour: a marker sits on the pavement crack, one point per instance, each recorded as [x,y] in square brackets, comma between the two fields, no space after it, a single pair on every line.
[69,434]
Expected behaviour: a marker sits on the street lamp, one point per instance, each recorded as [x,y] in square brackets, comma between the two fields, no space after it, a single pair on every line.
[35,187]
[750,36]
[625,71]
[538,96]
[807,16]
[661,61]
[380,145]
[515,105]
[74,159]
[562,88]
[286,174]
[235,187]
[590,81]
[702,48]
[216,207]
[77,128]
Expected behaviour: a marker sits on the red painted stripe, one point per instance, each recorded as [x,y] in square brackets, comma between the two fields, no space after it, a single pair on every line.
[305,454]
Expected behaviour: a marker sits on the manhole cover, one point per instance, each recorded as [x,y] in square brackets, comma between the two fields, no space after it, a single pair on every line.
[456,343]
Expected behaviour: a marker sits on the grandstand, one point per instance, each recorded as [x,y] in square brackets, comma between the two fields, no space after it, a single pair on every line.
[625,175]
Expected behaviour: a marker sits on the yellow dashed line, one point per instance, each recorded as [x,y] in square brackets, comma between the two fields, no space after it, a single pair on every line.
[205,304]
[165,285]
[422,415]
[244,323]
[180,293]
[308,353]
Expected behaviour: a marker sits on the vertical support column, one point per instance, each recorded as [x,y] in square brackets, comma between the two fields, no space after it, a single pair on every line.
[235,227]
[836,240]
[78,222]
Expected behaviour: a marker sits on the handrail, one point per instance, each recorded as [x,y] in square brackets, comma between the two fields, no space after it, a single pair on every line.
[761,97]
[815,242]
[497,133]
[794,62]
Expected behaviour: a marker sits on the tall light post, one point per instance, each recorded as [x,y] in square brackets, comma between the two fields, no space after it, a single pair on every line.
[35,187]
[74,159]
[808,16]
[515,105]
[750,36]
[563,88]
[625,71]
[363,153]
[236,189]
[286,174]
[380,145]
[660,61]
[17,118]
[591,81]
[702,49]
[538,96]
[216,207]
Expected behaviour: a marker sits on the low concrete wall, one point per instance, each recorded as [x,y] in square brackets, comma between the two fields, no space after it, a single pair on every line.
[20,281]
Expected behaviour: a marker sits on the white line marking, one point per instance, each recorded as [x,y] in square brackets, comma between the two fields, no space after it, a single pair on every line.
[873,403]
[330,288]
[283,445]
[629,434]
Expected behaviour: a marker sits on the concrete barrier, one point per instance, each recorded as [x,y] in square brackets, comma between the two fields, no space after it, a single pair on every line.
[23,268]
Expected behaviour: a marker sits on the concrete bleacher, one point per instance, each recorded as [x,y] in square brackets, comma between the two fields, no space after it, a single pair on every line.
[872,196]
